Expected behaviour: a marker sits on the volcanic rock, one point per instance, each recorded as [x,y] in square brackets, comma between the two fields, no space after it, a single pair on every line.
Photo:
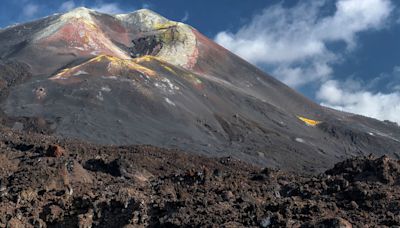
[88,188]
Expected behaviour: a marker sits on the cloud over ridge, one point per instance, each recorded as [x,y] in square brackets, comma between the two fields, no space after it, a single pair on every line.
[382,106]
[294,40]
[294,44]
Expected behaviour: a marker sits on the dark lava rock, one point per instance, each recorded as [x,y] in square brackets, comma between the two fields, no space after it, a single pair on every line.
[144,186]
[382,170]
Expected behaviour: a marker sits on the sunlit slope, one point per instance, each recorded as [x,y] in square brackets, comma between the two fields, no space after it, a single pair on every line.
[140,78]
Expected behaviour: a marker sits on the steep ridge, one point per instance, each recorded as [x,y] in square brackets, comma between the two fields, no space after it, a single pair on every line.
[140,78]
[77,31]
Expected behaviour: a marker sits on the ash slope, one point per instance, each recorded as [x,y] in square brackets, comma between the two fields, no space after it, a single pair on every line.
[174,88]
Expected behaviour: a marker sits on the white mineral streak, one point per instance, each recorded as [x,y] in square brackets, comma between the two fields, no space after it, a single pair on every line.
[169,101]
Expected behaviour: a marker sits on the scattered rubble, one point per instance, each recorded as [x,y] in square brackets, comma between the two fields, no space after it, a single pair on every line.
[41,185]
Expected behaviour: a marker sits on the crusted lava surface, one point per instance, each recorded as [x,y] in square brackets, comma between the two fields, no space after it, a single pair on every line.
[50,182]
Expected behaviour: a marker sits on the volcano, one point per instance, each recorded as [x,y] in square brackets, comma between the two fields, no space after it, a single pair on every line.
[140,78]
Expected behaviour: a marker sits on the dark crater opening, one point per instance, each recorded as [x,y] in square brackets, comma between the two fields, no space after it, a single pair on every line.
[150,43]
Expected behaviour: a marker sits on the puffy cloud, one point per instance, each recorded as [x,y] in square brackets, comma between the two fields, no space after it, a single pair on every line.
[67,6]
[383,106]
[353,16]
[109,8]
[30,10]
[293,42]
[297,75]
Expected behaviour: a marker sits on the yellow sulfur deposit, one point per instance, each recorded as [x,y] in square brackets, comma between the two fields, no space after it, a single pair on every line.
[168,68]
[309,121]
[119,64]
[146,58]
[115,64]
[166,25]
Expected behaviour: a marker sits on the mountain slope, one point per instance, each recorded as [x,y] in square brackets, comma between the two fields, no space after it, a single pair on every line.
[140,78]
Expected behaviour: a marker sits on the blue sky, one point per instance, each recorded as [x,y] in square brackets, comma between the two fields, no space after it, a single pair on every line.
[340,53]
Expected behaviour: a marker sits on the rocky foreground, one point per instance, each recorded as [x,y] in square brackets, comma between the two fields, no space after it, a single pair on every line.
[49,182]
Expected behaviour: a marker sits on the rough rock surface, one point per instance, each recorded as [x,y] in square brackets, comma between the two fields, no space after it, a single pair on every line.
[144,186]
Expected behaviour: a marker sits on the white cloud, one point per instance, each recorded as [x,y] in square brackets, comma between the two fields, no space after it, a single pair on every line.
[67,6]
[296,76]
[109,8]
[293,42]
[30,10]
[386,81]
[382,106]
[146,6]
[185,17]
[295,45]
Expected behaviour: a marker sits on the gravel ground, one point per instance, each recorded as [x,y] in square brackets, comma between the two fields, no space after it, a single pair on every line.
[51,182]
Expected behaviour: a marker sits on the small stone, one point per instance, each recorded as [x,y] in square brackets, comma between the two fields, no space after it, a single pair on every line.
[54,214]
[15,223]
[335,223]
[86,220]
[259,177]
[78,174]
[55,151]
[40,93]
[228,195]
[136,218]
[354,205]
[38,223]
[28,195]
[368,204]
[217,173]
[268,172]
[2,187]
[266,222]
[344,223]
